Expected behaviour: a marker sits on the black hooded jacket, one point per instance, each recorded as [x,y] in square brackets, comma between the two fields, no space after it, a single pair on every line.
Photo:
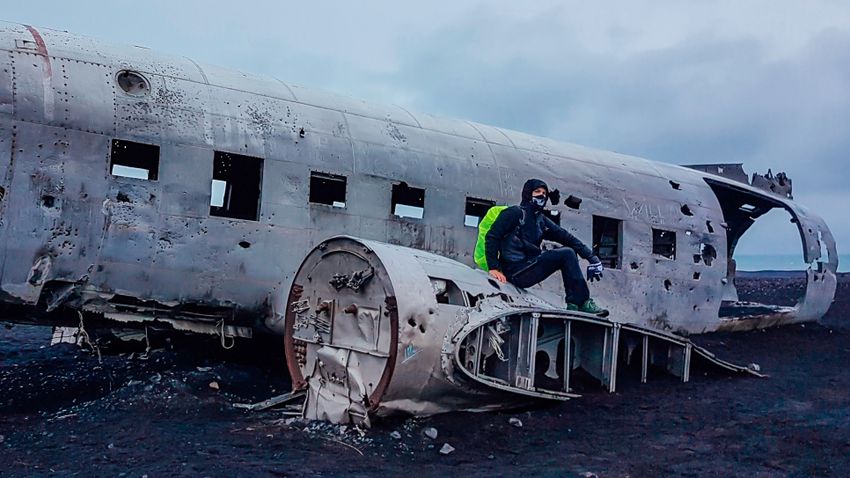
[515,236]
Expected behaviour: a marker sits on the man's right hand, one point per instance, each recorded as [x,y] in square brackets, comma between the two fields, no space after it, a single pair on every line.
[498,276]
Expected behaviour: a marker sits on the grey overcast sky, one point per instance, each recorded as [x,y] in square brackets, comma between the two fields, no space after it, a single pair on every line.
[766,82]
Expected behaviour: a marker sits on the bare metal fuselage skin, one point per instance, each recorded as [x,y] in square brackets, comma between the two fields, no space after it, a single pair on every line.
[75,237]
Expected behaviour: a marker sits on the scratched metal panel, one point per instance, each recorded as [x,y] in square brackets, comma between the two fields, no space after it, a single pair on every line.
[85,94]
[281,215]
[293,115]
[388,162]
[455,127]
[287,183]
[142,118]
[246,82]
[30,220]
[408,232]
[10,33]
[234,136]
[185,176]
[187,112]
[492,134]
[132,231]
[83,174]
[7,106]
[324,99]
[319,152]
[370,196]
[34,98]
[63,44]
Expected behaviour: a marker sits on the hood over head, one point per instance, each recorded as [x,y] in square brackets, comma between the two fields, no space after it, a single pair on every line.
[530,186]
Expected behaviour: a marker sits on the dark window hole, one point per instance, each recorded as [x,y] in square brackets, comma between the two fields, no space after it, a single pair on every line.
[697,258]
[634,266]
[686,210]
[134,160]
[122,197]
[48,201]
[708,253]
[664,243]
[411,322]
[607,240]
[236,186]
[709,226]
[696,275]
[244,244]
[675,185]
[408,201]
[572,202]
[327,189]
[475,211]
[668,284]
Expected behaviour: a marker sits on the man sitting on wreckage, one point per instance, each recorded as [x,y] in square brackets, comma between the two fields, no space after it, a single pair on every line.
[512,247]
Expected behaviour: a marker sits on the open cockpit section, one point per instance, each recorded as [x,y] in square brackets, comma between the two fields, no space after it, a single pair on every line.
[742,206]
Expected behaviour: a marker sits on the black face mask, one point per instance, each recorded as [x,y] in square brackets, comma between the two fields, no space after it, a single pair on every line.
[539,202]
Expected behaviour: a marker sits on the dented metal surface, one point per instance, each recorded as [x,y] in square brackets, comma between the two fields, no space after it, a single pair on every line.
[438,336]
[73,236]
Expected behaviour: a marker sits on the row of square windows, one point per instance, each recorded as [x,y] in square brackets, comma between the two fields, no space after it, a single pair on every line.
[237,183]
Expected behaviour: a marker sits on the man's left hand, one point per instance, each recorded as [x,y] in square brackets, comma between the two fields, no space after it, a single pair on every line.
[594,270]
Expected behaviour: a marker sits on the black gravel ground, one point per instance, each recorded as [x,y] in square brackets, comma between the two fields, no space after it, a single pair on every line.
[64,413]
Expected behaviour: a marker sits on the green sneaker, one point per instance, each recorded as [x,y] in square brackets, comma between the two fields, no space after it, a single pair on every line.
[590,307]
[571,306]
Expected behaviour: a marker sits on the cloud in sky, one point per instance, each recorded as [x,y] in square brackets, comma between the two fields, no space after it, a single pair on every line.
[766,83]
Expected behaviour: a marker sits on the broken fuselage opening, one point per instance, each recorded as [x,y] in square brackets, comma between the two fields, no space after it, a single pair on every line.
[741,207]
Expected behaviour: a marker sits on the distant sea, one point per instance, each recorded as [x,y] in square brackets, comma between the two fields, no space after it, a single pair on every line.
[782,262]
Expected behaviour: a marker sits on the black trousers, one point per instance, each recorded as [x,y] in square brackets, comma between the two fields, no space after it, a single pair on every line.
[564,259]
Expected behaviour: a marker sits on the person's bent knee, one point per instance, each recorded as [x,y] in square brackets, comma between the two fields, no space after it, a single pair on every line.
[566,253]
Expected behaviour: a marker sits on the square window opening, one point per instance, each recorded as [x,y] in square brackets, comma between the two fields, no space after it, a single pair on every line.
[608,241]
[476,209]
[664,243]
[134,160]
[236,186]
[327,189]
[408,201]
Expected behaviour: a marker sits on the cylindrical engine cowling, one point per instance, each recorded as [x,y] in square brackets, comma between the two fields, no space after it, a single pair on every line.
[365,332]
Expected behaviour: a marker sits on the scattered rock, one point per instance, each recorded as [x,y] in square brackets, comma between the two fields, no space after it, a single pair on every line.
[2,438]
[588,474]
[446,449]
[396,435]
[515,422]
[204,369]
[343,429]
[430,432]
[214,385]
[754,367]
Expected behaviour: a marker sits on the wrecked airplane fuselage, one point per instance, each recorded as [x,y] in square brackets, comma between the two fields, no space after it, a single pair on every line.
[148,190]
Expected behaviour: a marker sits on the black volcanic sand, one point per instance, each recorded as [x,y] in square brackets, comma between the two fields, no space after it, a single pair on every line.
[64,413]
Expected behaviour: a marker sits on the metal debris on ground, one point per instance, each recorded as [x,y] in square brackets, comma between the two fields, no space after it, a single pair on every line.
[272,402]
